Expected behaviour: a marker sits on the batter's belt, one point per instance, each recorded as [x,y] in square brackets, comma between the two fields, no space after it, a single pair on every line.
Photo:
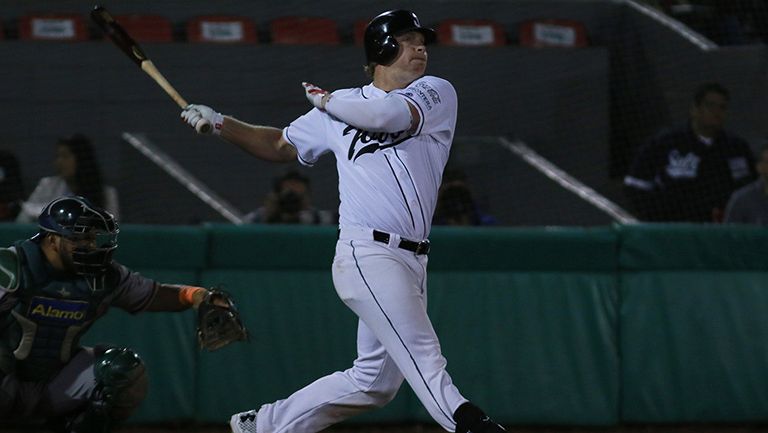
[418,248]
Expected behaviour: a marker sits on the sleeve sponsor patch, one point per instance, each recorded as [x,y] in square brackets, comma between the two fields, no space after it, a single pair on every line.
[426,93]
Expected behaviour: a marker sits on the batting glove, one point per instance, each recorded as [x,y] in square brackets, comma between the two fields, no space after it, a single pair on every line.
[317,96]
[204,119]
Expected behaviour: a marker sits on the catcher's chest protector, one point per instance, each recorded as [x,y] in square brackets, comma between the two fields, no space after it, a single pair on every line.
[43,331]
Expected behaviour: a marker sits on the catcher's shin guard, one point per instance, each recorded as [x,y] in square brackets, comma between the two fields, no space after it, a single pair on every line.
[471,419]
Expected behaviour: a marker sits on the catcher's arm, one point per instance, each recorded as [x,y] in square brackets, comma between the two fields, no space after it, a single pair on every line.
[174,297]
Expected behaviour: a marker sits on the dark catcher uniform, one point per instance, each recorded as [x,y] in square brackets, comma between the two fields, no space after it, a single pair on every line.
[43,318]
[45,374]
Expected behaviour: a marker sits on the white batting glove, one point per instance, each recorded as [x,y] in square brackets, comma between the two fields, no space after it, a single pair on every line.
[203,118]
[317,96]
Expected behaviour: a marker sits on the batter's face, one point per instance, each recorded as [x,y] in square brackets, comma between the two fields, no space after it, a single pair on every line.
[411,62]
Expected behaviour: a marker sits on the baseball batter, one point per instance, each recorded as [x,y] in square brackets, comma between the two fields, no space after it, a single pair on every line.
[391,140]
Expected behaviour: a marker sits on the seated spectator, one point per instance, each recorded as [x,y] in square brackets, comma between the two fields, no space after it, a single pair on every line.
[77,173]
[749,204]
[455,204]
[11,187]
[289,202]
[688,173]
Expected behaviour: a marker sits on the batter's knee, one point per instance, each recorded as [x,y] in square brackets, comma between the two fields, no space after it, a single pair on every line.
[383,393]
[121,379]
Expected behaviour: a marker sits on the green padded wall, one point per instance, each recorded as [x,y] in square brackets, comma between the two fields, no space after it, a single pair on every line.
[531,347]
[12,232]
[645,323]
[693,328]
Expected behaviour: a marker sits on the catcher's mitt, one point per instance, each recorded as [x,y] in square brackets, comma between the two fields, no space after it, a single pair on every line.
[219,321]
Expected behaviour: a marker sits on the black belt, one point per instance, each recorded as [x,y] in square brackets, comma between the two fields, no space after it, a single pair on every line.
[416,247]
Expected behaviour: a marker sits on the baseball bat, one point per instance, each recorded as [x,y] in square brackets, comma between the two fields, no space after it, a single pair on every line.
[127,45]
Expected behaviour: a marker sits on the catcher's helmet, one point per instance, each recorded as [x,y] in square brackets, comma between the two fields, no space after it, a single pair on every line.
[75,218]
[380,44]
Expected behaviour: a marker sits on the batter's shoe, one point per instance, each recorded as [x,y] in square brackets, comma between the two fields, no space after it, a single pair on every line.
[243,422]
[471,419]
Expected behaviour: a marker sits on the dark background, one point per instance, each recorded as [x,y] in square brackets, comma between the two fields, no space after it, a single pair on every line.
[586,110]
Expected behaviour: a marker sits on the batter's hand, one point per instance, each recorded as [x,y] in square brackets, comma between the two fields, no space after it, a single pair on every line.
[317,96]
[195,113]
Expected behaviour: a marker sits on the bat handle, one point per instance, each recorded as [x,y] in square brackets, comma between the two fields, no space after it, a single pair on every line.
[203,126]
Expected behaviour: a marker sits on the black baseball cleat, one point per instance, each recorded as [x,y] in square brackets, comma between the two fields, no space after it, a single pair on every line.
[471,419]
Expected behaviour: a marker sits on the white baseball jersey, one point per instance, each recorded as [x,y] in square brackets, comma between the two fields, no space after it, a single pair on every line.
[387,181]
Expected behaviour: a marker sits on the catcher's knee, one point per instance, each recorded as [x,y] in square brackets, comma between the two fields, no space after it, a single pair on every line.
[121,379]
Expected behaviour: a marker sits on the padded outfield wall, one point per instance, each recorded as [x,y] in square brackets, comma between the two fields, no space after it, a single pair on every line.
[642,324]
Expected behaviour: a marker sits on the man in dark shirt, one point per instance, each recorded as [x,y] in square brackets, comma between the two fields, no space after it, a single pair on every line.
[688,173]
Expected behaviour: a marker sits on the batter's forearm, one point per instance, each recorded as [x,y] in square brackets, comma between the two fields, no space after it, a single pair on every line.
[263,142]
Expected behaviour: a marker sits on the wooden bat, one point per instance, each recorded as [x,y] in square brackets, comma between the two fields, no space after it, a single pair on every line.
[125,42]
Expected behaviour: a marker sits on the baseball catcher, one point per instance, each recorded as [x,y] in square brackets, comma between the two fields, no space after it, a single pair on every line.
[53,287]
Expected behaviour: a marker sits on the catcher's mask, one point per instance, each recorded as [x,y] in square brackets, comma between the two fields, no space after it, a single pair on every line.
[379,39]
[93,229]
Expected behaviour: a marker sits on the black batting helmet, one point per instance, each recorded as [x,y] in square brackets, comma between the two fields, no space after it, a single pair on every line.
[380,44]
[75,218]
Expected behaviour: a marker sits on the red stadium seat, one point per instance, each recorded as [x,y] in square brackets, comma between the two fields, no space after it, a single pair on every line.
[469,32]
[147,28]
[222,29]
[304,30]
[358,31]
[553,33]
[53,27]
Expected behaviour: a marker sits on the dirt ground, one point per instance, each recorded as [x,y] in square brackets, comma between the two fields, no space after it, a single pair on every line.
[419,428]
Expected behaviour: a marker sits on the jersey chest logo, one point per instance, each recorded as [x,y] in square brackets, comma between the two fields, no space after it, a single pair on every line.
[682,166]
[58,311]
[371,141]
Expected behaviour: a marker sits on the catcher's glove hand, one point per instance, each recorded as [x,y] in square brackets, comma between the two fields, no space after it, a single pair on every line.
[218,321]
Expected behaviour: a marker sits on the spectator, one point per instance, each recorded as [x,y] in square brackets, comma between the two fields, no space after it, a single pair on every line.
[455,204]
[289,202]
[77,173]
[11,187]
[749,204]
[687,173]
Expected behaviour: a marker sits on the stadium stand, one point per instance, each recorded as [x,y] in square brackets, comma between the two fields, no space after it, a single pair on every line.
[222,29]
[53,27]
[470,32]
[553,33]
[297,30]
[147,28]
